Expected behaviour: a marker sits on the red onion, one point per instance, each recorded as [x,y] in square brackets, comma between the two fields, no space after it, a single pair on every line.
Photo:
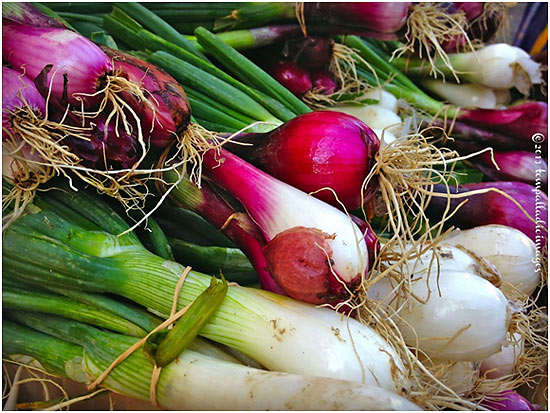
[514,166]
[381,17]
[323,82]
[105,147]
[508,400]
[79,66]
[168,112]
[287,216]
[521,122]
[318,150]
[493,208]
[291,76]
[309,52]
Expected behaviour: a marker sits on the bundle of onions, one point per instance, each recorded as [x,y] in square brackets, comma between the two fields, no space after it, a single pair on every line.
[133,103]
[314,252]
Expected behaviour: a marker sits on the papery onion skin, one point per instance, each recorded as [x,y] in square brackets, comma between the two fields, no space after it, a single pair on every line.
[71,54]
[170,113]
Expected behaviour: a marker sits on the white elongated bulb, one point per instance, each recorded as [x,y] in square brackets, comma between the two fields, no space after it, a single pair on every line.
[511,251]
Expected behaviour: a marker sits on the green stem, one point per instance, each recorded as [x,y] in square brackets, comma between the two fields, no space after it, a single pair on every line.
[158,26]
[42,302]
[58,357]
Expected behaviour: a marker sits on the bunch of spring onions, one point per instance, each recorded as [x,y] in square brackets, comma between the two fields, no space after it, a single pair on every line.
[76,234]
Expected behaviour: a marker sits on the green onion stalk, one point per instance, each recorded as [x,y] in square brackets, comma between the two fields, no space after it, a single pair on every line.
[195,381]
[88,248]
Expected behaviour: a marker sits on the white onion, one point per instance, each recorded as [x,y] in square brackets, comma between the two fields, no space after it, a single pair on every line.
[375,116]
[459,376]
[465,317]
[511,251]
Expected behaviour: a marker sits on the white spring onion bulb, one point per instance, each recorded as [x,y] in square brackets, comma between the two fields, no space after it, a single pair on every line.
[502,363]
[465,95]
[375,116]
[464,318]
[384,98]
[498,66]
[508,249]
[198,382]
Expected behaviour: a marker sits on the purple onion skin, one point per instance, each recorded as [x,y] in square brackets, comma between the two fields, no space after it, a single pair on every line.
[291,76]
[520,122]
[476,138]
[16,90]
[520,166]
[317,150]
[172,112]
[378,17]
[508,401]
[493,208]
[323,82]
[105,149]
[73,56]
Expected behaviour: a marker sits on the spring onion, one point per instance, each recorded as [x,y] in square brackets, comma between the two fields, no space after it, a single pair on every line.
[491,207]
[508,249]
[183,383]
[442,315]
[274,330]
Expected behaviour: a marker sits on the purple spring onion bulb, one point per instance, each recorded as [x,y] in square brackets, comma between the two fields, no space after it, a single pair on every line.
[318,150]
[79,68]
[166,113]
[102,146]
[521,122]
[492,207]
[310,53]
[323,82]
[484,18]
[520,166]
[23,108]
[313,249]
[291,76]
[507,401]
[379,17]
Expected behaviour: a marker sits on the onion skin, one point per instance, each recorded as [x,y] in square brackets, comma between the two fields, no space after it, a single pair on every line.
[172,111]
[297,259]
[493,208]
[291,76]
[72,55]
[106,147]
[508,401]
[318,150]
